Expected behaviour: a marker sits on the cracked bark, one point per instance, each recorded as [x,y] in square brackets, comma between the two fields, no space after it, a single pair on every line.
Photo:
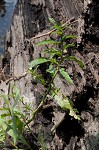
[30,19]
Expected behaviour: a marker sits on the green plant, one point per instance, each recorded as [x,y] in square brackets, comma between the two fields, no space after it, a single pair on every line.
[14,115]
[13,119]
[57,55]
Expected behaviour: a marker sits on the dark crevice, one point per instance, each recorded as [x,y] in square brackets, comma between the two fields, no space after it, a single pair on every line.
[82,99]
[69,128]
[92,23]
[35,22]
[31,50]
[47,113]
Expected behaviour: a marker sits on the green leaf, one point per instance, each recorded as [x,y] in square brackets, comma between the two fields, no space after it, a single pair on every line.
[53,61]
[16,95]
[14,126]
[52,20]
[54,92]
[9,129]
[2,135]
[70,37]
[68,45]
[53,52]
[46,42]
[51,70]
[65,37]
[73,58]
[5,115]
[24,141]
[7,102]
[19,125]
[66,104]
[63,103]
[36,62]
[3,124]
[73,114]
[56,26]
[4,109]
[65,75]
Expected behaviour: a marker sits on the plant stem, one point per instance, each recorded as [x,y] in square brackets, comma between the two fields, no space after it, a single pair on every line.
[11,142]
[31,132]
[51,82]
[44,97]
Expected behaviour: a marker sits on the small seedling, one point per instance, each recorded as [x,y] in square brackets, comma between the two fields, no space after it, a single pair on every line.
[57,55]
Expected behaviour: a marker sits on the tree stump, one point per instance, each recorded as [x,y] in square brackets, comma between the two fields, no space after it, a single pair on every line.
[30,19]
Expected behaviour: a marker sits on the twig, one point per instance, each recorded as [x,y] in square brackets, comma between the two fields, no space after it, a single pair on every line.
[48,33]
[17,78]
[48,105]
[11,142]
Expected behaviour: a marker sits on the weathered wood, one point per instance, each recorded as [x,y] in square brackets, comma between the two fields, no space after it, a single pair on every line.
[30,19]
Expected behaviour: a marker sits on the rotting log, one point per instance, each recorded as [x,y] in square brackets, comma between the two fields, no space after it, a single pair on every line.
[30,19]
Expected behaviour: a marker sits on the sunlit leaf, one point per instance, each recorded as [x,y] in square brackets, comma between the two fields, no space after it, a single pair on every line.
[73,114]
[65,75]
[37,61]
[46,42]
[52,20]
[68,46]
[66,104]
[51,70]
[2,135]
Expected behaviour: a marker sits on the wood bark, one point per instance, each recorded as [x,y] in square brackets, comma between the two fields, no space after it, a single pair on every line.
[30,19]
